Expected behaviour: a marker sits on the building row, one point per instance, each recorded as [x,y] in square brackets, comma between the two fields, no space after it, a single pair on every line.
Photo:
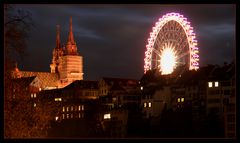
[210,90]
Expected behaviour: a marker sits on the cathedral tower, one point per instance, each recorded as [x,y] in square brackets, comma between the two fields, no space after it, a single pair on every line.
[71,47]
[57,53]
[70,63]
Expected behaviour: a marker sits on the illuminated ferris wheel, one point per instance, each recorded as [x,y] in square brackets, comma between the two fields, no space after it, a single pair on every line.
[172,43]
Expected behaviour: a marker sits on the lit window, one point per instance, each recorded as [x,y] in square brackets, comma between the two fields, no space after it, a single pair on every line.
[40,89]
[79,115]
[107,116]
[56,118]
[63,109]
[67,109]
[58,99]
[34,104]
[31,95]
[216,84]
[209,84]
[63,116]
[71,108]
[79,108]
[182,99]
[35,95]
[178,100]
[141,88]
[149,104]
[82,107]
[145,104]
[67,116]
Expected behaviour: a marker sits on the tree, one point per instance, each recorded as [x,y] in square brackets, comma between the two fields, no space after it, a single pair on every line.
[21,118]
[17,24]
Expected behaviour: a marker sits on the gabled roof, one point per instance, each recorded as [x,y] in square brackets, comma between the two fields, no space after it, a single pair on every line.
[47,79]
[225,72]
[122,81]
[83,84]
[209,72]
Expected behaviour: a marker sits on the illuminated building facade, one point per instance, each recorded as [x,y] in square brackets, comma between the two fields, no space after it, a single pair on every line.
[66,66]
[153,104]
[66,60]
[221,98]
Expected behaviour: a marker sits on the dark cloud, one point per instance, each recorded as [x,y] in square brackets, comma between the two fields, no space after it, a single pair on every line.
[112,38]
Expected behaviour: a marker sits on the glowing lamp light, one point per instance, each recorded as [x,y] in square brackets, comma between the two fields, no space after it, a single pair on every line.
[58,99]
[107,116]
[210,84]
[145,105]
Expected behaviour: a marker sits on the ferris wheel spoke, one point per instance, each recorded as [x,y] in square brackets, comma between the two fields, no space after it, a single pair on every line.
[156,51]
[183,55]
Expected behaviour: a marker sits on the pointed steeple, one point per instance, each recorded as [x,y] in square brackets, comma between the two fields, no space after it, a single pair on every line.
[58,42]
[70,35]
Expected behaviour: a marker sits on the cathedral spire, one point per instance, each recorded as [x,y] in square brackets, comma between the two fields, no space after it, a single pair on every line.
[70,35]
[58,43]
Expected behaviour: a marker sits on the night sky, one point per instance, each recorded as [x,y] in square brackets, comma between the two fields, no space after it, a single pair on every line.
[112,38]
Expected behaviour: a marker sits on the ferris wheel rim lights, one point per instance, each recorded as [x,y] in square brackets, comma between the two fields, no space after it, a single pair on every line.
[191,38]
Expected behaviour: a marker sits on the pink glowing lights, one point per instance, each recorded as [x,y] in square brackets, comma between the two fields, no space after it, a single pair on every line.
[159,29]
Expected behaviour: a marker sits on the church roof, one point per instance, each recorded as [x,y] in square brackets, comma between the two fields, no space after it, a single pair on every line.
[24,81]
[47,79]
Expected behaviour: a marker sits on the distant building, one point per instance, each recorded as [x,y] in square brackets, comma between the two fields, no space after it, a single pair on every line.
[72,99]
[106,83]
[114,123]
[21,88]
[153,104]
[66,66]
[202,93]
[219,88]
[230,115]
[83,89]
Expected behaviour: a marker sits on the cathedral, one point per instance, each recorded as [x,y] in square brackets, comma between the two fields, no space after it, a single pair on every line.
[66,66]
